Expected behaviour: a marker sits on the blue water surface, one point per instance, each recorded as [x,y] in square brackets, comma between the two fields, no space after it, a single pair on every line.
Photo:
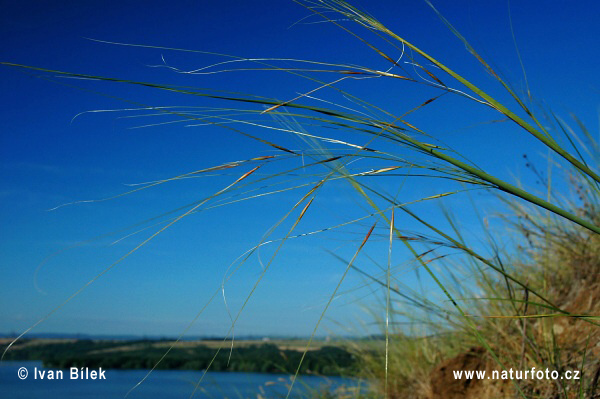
[162,384]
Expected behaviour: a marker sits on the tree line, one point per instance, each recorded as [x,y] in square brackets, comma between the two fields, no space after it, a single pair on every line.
[263,358]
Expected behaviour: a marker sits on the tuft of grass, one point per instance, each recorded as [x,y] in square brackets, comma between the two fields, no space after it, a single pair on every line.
[553,257]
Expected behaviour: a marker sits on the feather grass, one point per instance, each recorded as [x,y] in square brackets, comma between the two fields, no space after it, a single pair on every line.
[512,306]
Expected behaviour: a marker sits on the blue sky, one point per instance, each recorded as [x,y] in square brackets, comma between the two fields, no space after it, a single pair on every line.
[48,159]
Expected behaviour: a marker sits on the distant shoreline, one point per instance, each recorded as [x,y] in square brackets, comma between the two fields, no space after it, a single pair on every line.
[277,356]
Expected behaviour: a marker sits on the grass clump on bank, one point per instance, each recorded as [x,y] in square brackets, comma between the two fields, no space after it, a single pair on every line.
[553,257]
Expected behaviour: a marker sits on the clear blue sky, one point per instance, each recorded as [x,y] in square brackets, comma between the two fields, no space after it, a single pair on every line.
[46,159]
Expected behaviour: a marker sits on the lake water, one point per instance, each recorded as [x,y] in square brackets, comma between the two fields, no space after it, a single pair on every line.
[161,384]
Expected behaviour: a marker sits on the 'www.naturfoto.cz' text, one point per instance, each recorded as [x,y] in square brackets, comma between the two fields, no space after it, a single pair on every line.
[511,374]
